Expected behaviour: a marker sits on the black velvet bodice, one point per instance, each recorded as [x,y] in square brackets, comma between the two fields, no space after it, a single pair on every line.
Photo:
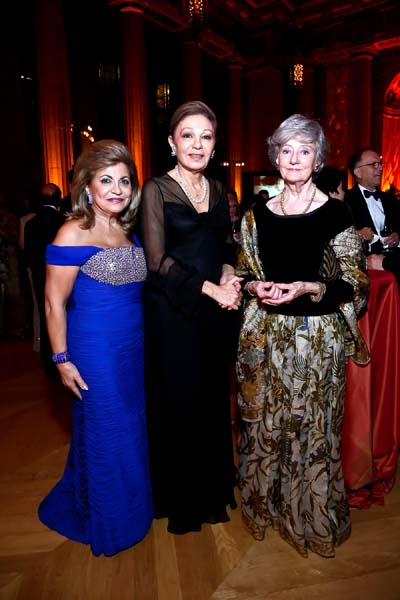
[291,248]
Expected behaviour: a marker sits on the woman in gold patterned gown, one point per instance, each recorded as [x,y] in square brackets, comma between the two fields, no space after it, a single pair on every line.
[305,277]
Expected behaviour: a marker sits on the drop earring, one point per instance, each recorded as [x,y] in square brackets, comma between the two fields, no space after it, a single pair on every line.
[173,151]
[89,198]
[212,154]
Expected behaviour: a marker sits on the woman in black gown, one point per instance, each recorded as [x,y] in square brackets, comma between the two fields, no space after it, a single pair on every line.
[185,227]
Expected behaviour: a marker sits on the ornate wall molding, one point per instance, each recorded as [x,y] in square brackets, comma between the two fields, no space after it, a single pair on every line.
[344,54]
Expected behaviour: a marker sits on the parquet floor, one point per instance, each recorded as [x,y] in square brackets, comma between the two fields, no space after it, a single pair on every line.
[221,562]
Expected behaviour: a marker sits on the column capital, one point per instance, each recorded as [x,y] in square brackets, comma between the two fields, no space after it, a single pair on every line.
[136,6]
[235,66]
[160,12]
[190,41]
[367,54]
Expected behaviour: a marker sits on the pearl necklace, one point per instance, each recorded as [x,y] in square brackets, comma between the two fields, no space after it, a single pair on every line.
[306,208]
[188,193]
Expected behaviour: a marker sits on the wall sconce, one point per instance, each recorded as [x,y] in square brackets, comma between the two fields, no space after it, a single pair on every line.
[225,164]
[297,74]
[239,164]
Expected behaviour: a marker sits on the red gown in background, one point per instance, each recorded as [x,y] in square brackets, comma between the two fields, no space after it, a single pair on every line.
[371,430]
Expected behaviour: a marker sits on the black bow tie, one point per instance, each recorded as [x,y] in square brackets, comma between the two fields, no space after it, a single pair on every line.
[376,194]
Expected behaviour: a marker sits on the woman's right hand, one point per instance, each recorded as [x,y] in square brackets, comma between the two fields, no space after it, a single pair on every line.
[264,290]
[71,378]
[226,294]
[366,234]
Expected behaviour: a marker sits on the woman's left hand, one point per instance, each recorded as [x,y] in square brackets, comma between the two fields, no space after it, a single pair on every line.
[288,292]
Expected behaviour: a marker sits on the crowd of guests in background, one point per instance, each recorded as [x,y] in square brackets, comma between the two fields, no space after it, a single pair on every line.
[22,252]
[152,302]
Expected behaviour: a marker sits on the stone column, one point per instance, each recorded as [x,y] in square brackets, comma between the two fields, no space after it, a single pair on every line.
[305,99]
[135,86]
[235,127]
[53,92]
[264,114]
[191,70]
[360,101]
[336,123]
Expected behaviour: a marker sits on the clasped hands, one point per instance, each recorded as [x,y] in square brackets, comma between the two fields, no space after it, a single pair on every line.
[275,294]
[229,292]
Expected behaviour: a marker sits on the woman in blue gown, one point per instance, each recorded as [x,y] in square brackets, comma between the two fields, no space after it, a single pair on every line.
[95,275]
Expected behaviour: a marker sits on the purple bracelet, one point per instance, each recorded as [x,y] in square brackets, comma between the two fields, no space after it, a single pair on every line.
[61,357]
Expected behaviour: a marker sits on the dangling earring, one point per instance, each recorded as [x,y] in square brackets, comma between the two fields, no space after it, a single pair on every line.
[173,151]
[212,154]
[89,198]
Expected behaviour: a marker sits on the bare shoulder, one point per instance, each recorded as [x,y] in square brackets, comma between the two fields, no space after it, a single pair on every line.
[71,234]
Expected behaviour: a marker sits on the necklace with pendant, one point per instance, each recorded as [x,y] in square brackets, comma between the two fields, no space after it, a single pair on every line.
[188,193]
[306,208]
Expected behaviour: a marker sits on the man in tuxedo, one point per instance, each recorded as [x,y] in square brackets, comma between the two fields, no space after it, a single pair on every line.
[371,209]
[40,231]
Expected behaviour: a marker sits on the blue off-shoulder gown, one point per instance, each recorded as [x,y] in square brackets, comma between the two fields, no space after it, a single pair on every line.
[104,497]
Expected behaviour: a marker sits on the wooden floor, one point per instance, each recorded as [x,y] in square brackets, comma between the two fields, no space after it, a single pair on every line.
[221,562]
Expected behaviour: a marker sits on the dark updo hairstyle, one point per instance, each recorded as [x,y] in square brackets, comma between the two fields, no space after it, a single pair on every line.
[101,154]
[189,109]
[304,129]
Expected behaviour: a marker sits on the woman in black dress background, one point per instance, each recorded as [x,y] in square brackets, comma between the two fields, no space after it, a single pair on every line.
[191,281]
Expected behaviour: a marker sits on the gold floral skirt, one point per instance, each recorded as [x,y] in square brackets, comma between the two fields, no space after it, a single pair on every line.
[290,467]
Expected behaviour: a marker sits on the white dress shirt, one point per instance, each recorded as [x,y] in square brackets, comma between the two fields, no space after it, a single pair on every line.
[377,215]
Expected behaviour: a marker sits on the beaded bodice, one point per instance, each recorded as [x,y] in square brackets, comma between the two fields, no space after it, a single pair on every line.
[116,266]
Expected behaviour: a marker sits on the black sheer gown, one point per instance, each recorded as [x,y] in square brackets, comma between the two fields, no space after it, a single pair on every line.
[187,361]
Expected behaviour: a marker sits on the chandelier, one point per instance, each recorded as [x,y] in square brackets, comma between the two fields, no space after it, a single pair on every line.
[297,74]
[195,11]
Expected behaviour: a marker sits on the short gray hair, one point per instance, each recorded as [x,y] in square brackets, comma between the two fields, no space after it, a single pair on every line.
[303,128]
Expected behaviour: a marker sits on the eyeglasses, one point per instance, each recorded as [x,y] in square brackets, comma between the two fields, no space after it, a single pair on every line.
[375,165]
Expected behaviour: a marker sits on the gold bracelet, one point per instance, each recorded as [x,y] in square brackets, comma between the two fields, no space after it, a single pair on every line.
[247,288]
[318,297]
